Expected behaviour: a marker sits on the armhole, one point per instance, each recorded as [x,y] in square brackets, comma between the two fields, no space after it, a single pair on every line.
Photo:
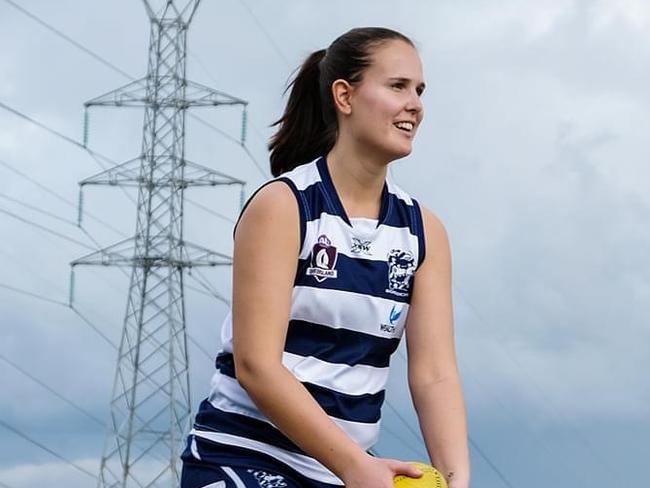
[302,207]
[418,226]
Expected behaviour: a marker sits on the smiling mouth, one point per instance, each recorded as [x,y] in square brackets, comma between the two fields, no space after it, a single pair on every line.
[405,126]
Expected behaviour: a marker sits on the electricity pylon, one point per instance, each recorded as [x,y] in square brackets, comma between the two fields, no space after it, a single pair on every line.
[150,405]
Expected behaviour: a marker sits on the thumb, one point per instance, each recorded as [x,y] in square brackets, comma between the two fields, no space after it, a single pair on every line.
[406,469]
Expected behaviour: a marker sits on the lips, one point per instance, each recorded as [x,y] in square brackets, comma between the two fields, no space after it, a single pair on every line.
[405,125]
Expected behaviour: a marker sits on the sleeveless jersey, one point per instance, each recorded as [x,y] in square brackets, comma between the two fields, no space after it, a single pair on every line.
[350,301]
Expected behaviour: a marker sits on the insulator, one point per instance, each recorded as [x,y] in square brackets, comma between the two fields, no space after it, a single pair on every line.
[86,127]
[244,124]
[71,297]
[80,206]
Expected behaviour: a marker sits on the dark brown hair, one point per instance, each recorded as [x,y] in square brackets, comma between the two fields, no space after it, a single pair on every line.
[308,127]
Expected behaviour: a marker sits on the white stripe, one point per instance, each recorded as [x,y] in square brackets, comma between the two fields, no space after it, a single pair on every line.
[305,465]
[229,396]
[227,388]
[233,476]
[397,191]
[383,239]
[366,435]
[352,380]
[218,484]
[348,310]
[194,449]
[304,176]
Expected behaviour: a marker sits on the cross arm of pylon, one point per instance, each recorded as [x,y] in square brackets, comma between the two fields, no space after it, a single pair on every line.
[135,94]
[129,174]
[125,253]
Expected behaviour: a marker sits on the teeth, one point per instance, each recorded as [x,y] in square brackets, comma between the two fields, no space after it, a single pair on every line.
[405,125]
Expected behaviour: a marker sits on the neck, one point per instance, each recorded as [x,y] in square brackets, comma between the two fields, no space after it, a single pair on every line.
[358,178]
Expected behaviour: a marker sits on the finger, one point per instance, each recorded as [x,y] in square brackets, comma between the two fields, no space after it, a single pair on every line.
[400,467]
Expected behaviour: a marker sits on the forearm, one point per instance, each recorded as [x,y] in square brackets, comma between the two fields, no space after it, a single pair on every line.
[288,404]
[441,413]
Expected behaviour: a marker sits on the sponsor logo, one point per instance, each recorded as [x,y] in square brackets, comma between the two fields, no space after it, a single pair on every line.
[401,266]
[393,317]
[360,247]
[323,260]
[268,480]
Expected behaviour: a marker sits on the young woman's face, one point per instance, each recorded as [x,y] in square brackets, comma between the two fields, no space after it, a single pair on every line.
[386,105]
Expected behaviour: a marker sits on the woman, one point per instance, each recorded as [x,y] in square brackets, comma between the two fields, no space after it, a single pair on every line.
[329,269]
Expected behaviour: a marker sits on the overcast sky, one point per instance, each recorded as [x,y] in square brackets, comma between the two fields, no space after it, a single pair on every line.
[533,152]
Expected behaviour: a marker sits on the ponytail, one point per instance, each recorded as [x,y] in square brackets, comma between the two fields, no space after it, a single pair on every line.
[303,134]
[309,128]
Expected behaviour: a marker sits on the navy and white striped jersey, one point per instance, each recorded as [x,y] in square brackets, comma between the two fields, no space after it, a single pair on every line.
[350,301]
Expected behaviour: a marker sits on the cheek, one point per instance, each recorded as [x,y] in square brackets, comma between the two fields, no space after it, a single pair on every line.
[378,109]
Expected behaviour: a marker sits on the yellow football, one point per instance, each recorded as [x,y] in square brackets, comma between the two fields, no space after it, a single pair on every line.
[431,478]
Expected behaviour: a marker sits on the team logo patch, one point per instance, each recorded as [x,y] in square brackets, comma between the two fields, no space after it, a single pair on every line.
[360,247]
[394,316]
[401,266]
[268,480]
[323,260]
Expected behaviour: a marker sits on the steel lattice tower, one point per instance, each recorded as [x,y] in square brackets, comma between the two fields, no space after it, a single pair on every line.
[150,405]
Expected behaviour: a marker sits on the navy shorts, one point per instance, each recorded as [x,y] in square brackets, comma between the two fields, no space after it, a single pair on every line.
[207,464]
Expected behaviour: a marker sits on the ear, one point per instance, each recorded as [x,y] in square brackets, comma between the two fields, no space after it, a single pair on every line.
[341,93]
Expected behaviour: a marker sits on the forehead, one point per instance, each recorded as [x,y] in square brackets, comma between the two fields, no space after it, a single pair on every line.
[397,59]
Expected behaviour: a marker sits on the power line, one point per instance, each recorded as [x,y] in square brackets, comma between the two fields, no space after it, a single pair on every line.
[51,390]
[110,65]
[57,134]
[490,463]
[58,196]
[210,211]
[68,39]
[531,381]
[46,229]
[45,448]
[38,209]
[471,441]
[266,34]
[32,294]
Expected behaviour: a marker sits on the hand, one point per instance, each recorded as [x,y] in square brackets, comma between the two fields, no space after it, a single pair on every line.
[373,472]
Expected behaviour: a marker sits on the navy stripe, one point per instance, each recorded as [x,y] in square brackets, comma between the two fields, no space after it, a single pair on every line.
[301,205]
[354,408]
[419,228]
[214,419]
[357,275]
[218,454]
[339,346]
[400,214]
[333,197]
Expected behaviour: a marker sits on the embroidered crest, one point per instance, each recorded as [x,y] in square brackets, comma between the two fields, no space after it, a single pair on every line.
[401,266]
[323,260]
[360,247]
[268,480]
[393,317]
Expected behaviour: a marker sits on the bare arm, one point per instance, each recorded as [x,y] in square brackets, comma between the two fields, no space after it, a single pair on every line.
[267,243]
[432,369]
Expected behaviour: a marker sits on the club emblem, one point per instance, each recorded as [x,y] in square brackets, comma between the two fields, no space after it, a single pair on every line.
[323,260]
[401,266]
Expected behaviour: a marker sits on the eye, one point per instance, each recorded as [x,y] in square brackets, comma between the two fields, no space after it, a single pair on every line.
[398,85]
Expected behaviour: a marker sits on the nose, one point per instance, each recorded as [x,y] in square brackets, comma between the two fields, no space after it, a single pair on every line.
[414,104]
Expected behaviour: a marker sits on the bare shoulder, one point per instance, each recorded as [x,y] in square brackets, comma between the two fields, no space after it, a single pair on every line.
[271,213]
[436,237]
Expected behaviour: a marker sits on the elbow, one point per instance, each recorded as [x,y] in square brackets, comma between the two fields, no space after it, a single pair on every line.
[426,382]
[252,371]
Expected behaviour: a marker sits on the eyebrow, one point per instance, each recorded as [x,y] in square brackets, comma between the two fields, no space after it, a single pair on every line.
[422,85]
